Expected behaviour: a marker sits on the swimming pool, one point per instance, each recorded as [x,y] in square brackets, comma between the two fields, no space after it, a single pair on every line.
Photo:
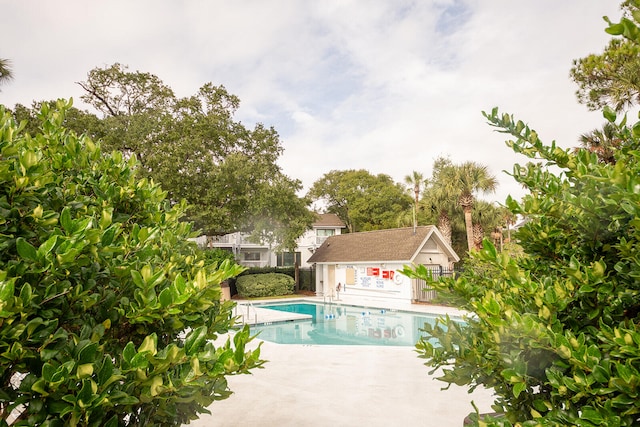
[336,324]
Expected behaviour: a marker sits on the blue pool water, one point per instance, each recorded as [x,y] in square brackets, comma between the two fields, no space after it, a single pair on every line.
[334,324]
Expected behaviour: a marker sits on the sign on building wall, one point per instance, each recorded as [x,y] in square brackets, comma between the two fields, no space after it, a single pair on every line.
[374,277]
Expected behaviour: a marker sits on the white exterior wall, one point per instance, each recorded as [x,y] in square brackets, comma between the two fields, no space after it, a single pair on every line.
[307,244]
[432,259]
[432,255]
[388,283]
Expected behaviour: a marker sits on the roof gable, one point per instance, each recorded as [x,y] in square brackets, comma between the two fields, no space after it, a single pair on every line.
[328,220]
[398,244]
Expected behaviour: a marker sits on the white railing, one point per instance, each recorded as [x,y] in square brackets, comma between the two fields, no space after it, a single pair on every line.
[254,263]
[243,311]
[222,239]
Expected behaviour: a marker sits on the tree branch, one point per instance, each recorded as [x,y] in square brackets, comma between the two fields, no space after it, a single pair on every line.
[100,98]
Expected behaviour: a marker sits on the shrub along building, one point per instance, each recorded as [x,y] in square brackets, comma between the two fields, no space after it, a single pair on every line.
[368,263]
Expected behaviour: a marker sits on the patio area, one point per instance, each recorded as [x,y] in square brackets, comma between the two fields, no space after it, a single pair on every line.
[326,385]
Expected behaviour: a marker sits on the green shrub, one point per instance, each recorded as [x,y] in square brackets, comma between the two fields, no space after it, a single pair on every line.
[556,331]
[265,285]
[107,312]
[218,256]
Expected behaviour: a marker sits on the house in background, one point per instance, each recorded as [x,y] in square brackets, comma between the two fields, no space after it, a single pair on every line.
[252,254]
[368,263]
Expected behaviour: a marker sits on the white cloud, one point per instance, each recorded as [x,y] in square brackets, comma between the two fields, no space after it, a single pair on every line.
[385,86]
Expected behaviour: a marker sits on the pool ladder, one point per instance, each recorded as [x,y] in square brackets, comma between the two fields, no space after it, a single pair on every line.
[331,297]
[246,318]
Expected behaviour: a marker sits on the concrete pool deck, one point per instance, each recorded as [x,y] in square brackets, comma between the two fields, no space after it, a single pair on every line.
[326,385]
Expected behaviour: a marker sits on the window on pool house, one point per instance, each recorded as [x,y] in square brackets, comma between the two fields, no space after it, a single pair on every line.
[323,233]
[287,259]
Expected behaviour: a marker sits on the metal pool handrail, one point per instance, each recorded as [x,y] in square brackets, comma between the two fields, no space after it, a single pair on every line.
[246,319]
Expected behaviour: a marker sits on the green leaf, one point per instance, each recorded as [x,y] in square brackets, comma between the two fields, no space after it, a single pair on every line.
[106,218]
[518,388]
[138,280]
[86,394]
[129,352]
[40,387]
[493,307]
[47,372]
[600,374]
[113,422]
[609,114]
[66,221]
[59,407]
[87,351]
[615,29]
[591,415]
[7,288]
[625,372]
[26,250]
[48,354]
[156,383]
[84,371]
[140,362]
[636,130]
[68,256]
[108,235]
[165,297]
[106,370]
[149,344]
[122,398]
[155,279]
[48,246]
[194,340]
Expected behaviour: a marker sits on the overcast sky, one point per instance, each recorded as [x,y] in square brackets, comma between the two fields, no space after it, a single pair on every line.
[382,85]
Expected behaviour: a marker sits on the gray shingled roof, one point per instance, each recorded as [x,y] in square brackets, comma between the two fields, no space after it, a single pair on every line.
[398,244]
[329,220]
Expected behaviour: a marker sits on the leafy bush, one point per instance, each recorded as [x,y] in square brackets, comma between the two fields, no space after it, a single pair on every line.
[107,312]
[289,271]
[218,256]
[265,285]
[556,331]
[306,276]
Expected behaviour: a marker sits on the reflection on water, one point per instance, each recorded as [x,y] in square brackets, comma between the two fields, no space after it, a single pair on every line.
[333,324]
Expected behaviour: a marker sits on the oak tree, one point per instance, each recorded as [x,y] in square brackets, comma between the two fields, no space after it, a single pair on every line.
[195,148]
[362,200]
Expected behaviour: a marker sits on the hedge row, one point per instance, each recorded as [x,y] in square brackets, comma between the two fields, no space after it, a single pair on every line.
[264,285]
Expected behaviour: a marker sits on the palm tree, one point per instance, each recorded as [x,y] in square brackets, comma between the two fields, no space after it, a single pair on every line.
[441,200]
[440,196]
[485,216]
[416,183]
[5,71]
[604,142]
[468,179]
[508,219]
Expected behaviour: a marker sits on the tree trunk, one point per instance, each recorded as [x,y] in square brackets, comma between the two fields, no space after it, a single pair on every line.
[478,235]
[466,202]
[444,225]
[469,225]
